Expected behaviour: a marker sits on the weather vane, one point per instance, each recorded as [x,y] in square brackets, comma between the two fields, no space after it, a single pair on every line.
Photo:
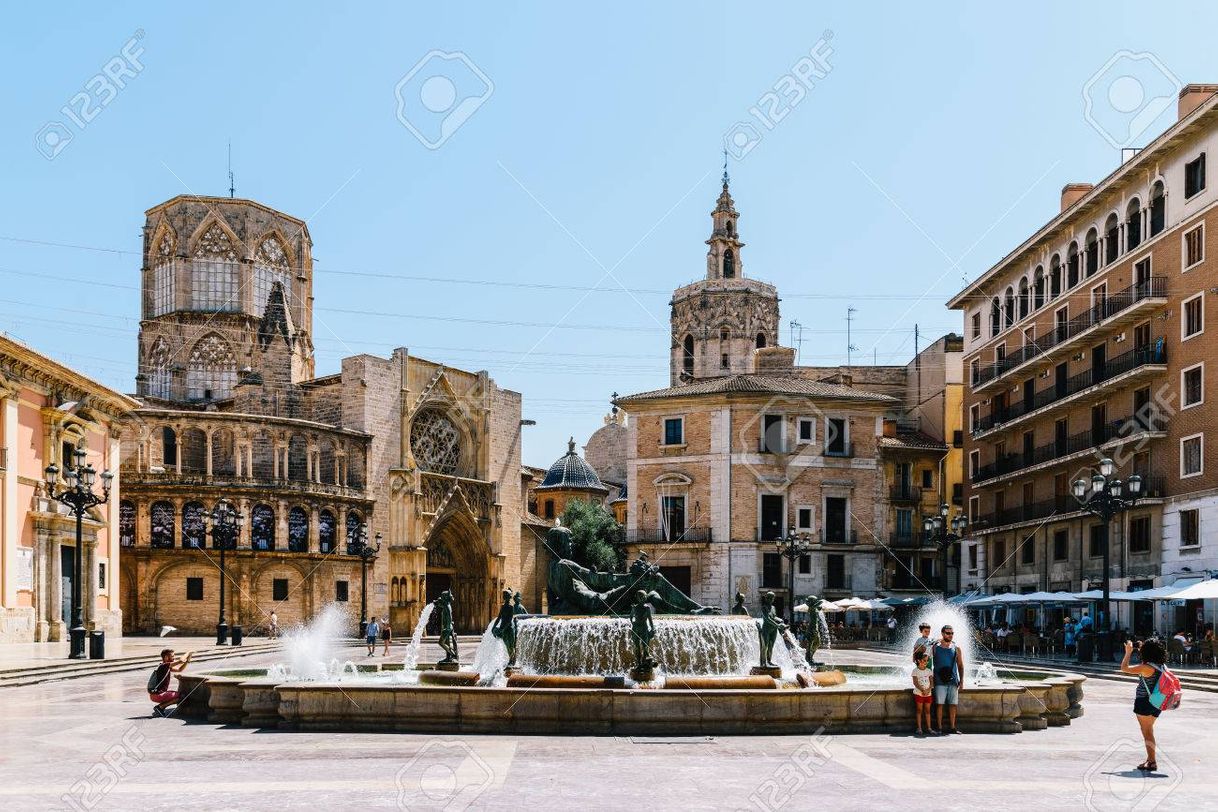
[725,176]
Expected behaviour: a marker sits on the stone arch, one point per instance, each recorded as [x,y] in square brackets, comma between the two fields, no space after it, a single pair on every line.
[211,372]
[223,452]
[158,378]
[129,594]
[215,237]
[298,529]
[460,560]
[298,458]
[194,525]
[352,521]
[192,447]
[262,450]
[687,355]
[729,264]
[761,341]
[272,263]
[327,455]
[162,517]
[290,610]
[327,530]
[262,527]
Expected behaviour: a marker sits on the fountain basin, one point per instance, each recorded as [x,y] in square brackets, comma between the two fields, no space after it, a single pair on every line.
[1041,700]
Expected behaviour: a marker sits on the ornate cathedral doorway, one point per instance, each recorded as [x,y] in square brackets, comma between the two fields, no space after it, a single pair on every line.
[458,560]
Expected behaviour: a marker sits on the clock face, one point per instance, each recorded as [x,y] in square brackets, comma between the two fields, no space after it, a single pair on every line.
[435,442]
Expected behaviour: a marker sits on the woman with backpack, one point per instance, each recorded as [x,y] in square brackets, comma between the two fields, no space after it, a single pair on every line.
[1158,690]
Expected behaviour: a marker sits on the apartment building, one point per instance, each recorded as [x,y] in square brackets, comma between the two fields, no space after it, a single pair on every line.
[1089,340]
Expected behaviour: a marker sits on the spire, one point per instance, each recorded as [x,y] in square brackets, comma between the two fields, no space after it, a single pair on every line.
[723,258]
[726,178]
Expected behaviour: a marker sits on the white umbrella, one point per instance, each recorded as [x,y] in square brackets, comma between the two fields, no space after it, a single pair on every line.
[1204,590]
[825,606]
[853,603]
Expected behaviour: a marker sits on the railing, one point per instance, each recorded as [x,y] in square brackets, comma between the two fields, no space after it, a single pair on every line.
[1083,441]
[839,536]
[905,493]
[170,477]
[907,538]
[1153,353]
[841,584]
[1109,306]
[658,536]
[1152,487]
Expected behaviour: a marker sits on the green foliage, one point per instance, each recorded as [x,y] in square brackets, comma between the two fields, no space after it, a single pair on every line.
[595,536]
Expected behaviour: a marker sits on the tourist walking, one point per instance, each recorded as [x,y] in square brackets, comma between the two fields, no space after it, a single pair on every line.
[370,634]
[892,629]
[386,635]
[158,684]
[948,664]
[1147,693]
[273,629]
[922,679]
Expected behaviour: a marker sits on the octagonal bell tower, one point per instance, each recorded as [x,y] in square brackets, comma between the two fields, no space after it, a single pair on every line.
[718,321]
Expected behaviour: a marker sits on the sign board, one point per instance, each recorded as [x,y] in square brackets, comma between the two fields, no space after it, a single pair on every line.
[25,568]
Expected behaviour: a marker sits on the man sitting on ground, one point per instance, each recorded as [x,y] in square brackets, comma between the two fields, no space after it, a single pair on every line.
[158,683]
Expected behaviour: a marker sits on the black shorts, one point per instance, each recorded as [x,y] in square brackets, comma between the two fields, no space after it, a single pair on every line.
[1142,707]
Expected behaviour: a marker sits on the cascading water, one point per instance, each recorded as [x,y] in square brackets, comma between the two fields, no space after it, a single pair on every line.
[308,649]
[410,660]
[939,614]
[491,658]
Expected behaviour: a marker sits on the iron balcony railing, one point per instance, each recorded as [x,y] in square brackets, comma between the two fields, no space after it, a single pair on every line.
[658,536]
[1152,487]
[905,493]
[839,536]
[1073,444]
[1145,355]
[908,538]
[1153,288]
[839,450]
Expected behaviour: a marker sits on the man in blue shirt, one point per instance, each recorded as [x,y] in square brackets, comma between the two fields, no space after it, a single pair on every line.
[373,631]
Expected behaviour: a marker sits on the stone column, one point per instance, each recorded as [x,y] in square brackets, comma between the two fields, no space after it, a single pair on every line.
[207,439]
[11,531]
[314,529]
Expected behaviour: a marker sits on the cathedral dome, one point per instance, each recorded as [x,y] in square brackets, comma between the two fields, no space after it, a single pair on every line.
[571,473]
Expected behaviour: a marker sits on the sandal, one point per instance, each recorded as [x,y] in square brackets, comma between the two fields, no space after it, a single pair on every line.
[1148,766]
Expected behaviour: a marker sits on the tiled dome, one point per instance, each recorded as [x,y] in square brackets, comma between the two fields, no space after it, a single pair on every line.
[571,473]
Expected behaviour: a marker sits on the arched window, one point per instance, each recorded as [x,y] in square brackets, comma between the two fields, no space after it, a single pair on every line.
[1072,266]
[354,522]
[298,530]
[1055,277]
[687,355]
[211,372]
[731,229]
[1009,308]
[1112,239]
[213,278]
[1023,298]
[326,531]
[729,264]
[1038,288]
[126,523]
[435,443]
[270,266]
[298,458]
[1092,251]
[164,275]
[723,334]
[156,370]
[995,317]
[1133,224]
[194,529]
[1158,208]
[262,528]
[169,448]
[162,521]
[761,341]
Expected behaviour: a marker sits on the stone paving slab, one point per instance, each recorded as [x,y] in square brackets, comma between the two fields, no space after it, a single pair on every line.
[90,743]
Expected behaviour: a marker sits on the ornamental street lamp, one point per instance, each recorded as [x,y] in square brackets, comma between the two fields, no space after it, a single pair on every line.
[1106,500]
[77,494]
[357,544]
[225,528]
[791,547]
[936,529]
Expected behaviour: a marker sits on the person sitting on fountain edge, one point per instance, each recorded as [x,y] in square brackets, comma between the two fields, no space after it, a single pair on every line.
[948,665]
[158,683]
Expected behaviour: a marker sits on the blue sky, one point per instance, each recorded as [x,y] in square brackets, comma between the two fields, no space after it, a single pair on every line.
[935,143]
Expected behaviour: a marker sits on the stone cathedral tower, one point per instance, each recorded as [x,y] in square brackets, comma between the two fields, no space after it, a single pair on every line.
[718,322]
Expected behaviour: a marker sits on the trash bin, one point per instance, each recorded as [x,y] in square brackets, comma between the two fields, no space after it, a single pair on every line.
[237,634]
[97,645]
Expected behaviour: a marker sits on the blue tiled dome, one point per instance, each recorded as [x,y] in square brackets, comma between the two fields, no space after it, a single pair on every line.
[571,472]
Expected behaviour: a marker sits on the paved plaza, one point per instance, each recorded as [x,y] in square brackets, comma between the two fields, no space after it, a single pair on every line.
[90,744]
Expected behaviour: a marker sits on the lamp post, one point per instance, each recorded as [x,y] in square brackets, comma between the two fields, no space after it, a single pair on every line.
[357,543]
[936,528]
[225,528]
[1106,499]
[77,493]
[791,547]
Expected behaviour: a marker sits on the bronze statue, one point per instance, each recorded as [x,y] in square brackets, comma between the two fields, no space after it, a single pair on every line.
[577,590]
[504,626]
[771,626]
[642,632]
[448,635]
[738,608]
[518,605]
[814,641]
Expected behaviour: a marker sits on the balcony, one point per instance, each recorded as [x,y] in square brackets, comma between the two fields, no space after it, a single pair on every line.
[1113,432]
[1111,310]
[658,536]
[1152,354]
[1062,506]
[189,481]
[839,450]
[838,536]
[908,539]
[905,494]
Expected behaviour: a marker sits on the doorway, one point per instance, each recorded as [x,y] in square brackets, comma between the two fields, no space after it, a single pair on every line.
[772,513]
[67,573]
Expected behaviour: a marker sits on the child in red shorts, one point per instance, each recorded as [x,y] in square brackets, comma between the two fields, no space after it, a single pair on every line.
[922,677]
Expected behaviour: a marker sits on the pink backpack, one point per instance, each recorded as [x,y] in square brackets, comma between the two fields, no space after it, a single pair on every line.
[1165,695]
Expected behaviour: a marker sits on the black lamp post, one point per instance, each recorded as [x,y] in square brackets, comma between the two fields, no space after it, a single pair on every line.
[791,547]
[357,544]
[936,528]
[225,529]
[77,494]
[1106,500]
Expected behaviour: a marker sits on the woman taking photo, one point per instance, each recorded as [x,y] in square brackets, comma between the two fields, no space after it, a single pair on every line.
[1153,657]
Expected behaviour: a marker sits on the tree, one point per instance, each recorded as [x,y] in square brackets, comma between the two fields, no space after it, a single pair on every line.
[595,536]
